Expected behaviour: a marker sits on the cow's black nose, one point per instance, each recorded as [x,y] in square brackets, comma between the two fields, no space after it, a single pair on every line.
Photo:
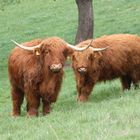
[82,70]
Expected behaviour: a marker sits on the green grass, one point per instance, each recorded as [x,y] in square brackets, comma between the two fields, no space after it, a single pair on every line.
[110,114]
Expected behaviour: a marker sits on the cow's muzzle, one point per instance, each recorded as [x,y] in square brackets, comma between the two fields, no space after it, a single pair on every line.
[82,70]
[56,67]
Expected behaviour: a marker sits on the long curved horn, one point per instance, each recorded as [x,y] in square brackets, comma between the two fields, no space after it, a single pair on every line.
[86,47]
[80,49]
[25,47]
[76,48]
[98,49]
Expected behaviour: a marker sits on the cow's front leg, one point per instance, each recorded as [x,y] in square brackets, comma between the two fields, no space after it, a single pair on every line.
[51,95]
[84,92]
[46,106]
[48,101]
[33,102]
[84,88]
[17,99]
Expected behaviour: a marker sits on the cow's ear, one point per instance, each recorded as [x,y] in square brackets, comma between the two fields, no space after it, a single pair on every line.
[91,56]
[37,51]
[68,52]
[97,55]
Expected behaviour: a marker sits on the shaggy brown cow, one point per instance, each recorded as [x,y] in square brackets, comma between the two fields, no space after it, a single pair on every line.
[36,72]
[121,59]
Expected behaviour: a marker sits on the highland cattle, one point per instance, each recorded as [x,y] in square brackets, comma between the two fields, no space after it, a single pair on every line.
[35,71]
[120,58]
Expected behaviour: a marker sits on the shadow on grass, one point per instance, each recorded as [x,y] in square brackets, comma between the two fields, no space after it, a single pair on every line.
[67,102]
[106,93]
[110,91]
[101,92]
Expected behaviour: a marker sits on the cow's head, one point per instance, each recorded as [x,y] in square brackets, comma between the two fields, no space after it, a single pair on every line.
[53,51]
[82,61]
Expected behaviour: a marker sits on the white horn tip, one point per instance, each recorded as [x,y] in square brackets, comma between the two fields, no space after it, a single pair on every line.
[14,42]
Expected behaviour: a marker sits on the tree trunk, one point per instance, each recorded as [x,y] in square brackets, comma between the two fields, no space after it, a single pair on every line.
[85,20]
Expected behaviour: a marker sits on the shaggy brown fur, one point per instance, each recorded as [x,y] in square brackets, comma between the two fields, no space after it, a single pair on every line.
[30,75]
[120,60]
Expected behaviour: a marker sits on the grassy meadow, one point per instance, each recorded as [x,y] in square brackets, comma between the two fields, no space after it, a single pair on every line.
[110,114]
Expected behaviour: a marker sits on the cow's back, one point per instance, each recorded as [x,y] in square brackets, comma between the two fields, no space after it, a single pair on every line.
[122,57]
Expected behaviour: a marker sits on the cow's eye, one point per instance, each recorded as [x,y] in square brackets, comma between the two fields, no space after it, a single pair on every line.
[73,57]
[89,57]
[47,51]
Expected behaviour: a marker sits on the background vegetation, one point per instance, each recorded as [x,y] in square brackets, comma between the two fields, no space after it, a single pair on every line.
[110,113]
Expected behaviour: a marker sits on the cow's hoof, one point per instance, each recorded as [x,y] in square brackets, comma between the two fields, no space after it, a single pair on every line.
[15,114]
[82,98]
[32,114]
[47,111]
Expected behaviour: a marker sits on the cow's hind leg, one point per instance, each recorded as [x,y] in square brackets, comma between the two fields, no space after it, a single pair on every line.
[17,99]
[135,75]
[126,82]
[135,83]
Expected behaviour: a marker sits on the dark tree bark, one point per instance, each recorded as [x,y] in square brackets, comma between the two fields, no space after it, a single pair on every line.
[85,20]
